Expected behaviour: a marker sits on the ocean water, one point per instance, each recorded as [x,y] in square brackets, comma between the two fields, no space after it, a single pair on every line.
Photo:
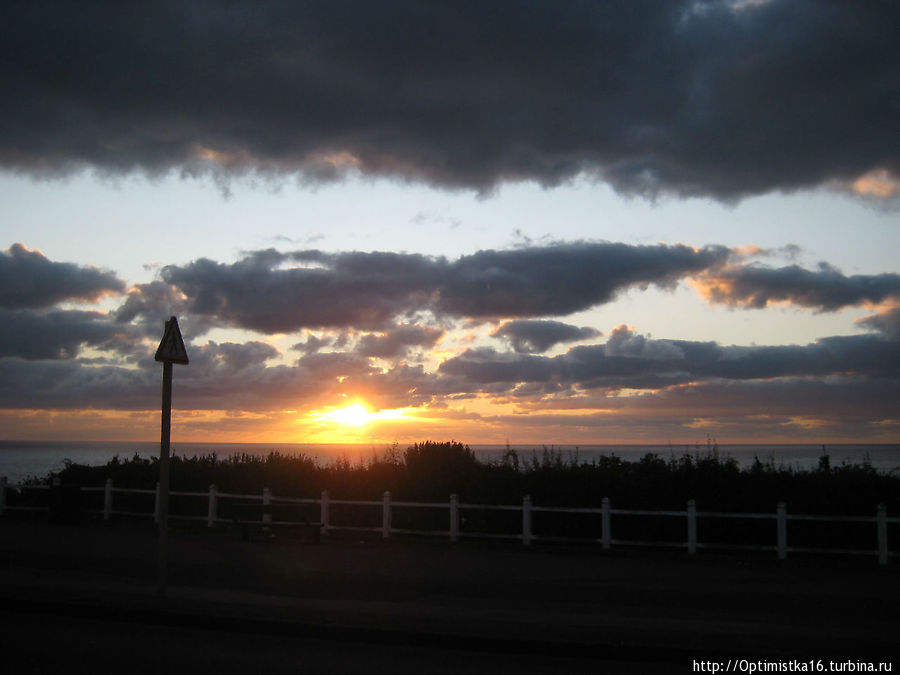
[21,459]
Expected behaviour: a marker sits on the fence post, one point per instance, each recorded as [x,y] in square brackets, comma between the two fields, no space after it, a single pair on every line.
[881,518]
[692,527]
[454,517]
[325,515]
[526,520]
[606,522]
[3,484]
[386,516]
[107,499]
[267,501]
[156,505]
[211,512]
[781,516]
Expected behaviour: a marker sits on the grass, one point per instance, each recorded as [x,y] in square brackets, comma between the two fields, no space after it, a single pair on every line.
[431,471]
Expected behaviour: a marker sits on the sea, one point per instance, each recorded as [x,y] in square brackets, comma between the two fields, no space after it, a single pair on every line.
[20,460]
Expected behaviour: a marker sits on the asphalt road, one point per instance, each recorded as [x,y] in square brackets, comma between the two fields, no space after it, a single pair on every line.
[78,594]
[60,644]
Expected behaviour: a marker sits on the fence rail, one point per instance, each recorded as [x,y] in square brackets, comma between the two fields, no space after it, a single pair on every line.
[526,509]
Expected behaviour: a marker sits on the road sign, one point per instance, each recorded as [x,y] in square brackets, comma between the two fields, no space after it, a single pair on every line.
[171,347]
[171,350]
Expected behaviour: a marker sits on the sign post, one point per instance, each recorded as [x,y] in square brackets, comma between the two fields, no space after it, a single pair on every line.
[171,350]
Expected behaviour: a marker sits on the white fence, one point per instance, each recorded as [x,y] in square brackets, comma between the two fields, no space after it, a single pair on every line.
[454,508]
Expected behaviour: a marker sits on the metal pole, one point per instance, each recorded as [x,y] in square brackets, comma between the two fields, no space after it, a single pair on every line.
[166,432]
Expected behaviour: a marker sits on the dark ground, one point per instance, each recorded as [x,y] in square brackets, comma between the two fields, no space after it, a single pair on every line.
[85,594]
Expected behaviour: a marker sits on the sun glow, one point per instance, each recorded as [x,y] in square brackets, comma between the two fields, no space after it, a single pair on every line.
[358,415]
[355,415]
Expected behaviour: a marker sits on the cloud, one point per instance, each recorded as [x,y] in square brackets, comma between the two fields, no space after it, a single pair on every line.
[841,398]
[59,334]
[364,290]
[886,322]
[561,279]
[536,336]
[51,385]
[639,388]
[486,366]
[396,342]
[275,292]
[370,316]
[825,289]
[631,385]
[845,407]
[623,341]
[28,279]
[877,184]
[629,361]
[240,357]
[312,344]
[692,98]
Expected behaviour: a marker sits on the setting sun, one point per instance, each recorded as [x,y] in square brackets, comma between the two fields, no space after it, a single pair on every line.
[355,415]
[354,423]
[358,415]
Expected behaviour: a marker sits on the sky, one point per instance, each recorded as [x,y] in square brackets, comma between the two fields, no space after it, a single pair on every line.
[538,223]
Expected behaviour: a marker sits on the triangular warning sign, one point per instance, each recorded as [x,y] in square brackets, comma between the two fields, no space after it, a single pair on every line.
[171,347]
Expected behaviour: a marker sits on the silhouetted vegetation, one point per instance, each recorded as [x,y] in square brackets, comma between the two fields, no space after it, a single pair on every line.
[431,471]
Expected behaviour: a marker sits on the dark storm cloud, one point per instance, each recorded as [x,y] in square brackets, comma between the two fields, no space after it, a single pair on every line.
[59,334]
[277,292]
[536,336]
[825,288]
[697,98]
[28,279]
